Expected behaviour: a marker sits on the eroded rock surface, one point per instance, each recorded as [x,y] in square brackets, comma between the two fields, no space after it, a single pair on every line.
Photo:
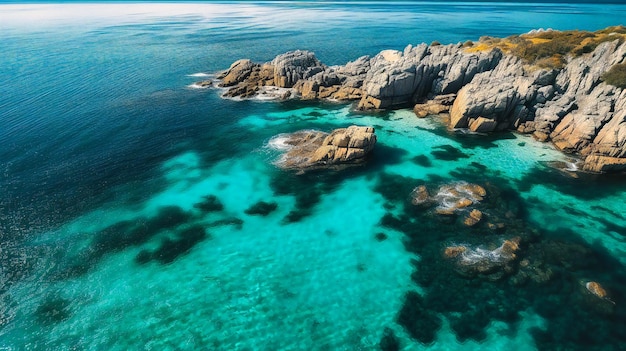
[491,264]
[483,90]
[311,149]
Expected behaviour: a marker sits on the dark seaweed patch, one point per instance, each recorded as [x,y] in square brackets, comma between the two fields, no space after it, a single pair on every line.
[448,153]
[395,188]
[420,322]
[307,188]
[548,276]
[236,222]
[143,257]
[607,210]
[478,166]
[586,186]
[262,208]
[574,212]
[129,233]
[171,249]
[52,310]
[209,203]
[381,236]
[384,155]
[296,215]
[314,114]
[389,341]
[612,227]
[422,160]
[122,235]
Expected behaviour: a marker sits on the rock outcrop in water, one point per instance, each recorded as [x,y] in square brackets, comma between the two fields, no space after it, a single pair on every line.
[311,149]
[491,264]
[492,85]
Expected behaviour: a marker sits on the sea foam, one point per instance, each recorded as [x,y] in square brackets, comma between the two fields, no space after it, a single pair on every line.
[199,74]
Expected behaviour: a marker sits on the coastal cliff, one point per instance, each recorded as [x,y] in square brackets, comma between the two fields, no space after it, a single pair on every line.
[553,85]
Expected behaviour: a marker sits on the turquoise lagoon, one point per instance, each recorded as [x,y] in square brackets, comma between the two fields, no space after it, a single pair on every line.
[126,194]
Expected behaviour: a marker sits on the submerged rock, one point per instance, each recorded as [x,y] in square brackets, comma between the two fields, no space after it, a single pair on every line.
[262,208]
[473,218]
[596,298]
[310,149]
[596,289]
[455,197]
[491,264]
[454,251]
[204,83]
[420,196]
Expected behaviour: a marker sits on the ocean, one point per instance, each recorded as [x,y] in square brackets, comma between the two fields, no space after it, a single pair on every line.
[138,212]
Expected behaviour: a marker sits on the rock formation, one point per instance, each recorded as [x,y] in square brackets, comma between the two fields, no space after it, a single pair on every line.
[486,87]
[596,298]
[491,264]
[310,149]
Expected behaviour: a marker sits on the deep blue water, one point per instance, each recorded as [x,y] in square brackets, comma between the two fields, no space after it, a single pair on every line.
[109,238]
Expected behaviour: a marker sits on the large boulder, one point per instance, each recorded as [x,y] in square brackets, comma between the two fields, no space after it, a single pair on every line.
[310,149]
[400,78]
[439,104]
[293,66]
[607,152]
[237,73]
[494,100]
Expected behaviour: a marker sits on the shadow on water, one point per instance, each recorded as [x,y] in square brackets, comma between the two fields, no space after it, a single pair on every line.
[170,249]
[422,160]
[261,208]
[547,275]
[470,141]
[52,310]
[448,153]
[586,186]
[124,234]
[309,187]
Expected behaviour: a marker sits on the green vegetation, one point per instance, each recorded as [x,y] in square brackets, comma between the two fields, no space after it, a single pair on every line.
[616,76]
[550,49]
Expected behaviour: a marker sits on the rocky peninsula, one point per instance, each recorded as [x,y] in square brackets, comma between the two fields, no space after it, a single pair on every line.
[564,87]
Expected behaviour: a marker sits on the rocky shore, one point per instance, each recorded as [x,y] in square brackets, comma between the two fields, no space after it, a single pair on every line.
[527,83]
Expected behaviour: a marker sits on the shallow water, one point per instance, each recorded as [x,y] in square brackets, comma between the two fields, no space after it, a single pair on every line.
[137,212]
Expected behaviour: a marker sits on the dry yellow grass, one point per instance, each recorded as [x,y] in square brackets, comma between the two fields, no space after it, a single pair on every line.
[479,47]
[549,49]
[539,40]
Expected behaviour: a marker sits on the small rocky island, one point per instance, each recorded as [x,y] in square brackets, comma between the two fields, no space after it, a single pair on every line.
[312,149]
[564,87]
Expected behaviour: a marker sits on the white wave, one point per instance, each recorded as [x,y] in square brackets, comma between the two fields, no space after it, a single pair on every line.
[571,166]
[479,255]
[265,94]
[198,86]
[200,74]
[279,142]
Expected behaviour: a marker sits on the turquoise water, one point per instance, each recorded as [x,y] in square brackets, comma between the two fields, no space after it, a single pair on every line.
[126,195]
